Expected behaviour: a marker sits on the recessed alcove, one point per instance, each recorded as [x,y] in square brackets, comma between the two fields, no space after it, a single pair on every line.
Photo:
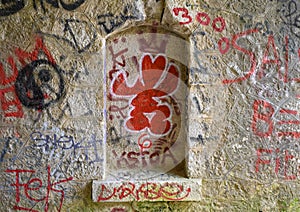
[146,117]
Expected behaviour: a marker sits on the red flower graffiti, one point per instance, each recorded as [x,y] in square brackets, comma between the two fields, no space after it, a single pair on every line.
[156,80]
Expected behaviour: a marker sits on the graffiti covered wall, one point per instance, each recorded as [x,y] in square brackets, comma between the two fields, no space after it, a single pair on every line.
[149,105]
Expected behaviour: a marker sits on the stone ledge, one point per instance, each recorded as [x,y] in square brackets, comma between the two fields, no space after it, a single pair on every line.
[147,190]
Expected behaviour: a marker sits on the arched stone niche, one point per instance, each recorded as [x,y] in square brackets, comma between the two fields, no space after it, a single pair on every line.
[146,108]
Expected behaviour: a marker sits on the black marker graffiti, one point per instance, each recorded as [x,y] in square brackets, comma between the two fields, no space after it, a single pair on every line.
[39,84]
[290,17]
[3,152]
[109,22]
[73,5]
[9,7]
[263,27]
[197,104]
[117,135]
[10,148]
[80,41]
[199,69]
[192,5]
[198,139]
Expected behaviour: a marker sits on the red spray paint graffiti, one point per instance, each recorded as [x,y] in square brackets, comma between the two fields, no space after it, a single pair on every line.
[218,24]
[146,191]
[243,50]
[119,54]
[143,159]
[7,104]
[274,153]
[118,61]
[10,102]
[118,210]
[153,44]
[156,43]
[40,48]
[144,142]
[156,80]
[263,116]
[35,184]
[270,49]
[185,14]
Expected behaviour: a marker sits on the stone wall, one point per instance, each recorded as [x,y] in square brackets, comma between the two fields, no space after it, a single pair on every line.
[149,105]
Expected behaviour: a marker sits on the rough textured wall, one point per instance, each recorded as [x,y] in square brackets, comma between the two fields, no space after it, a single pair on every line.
[149,105]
